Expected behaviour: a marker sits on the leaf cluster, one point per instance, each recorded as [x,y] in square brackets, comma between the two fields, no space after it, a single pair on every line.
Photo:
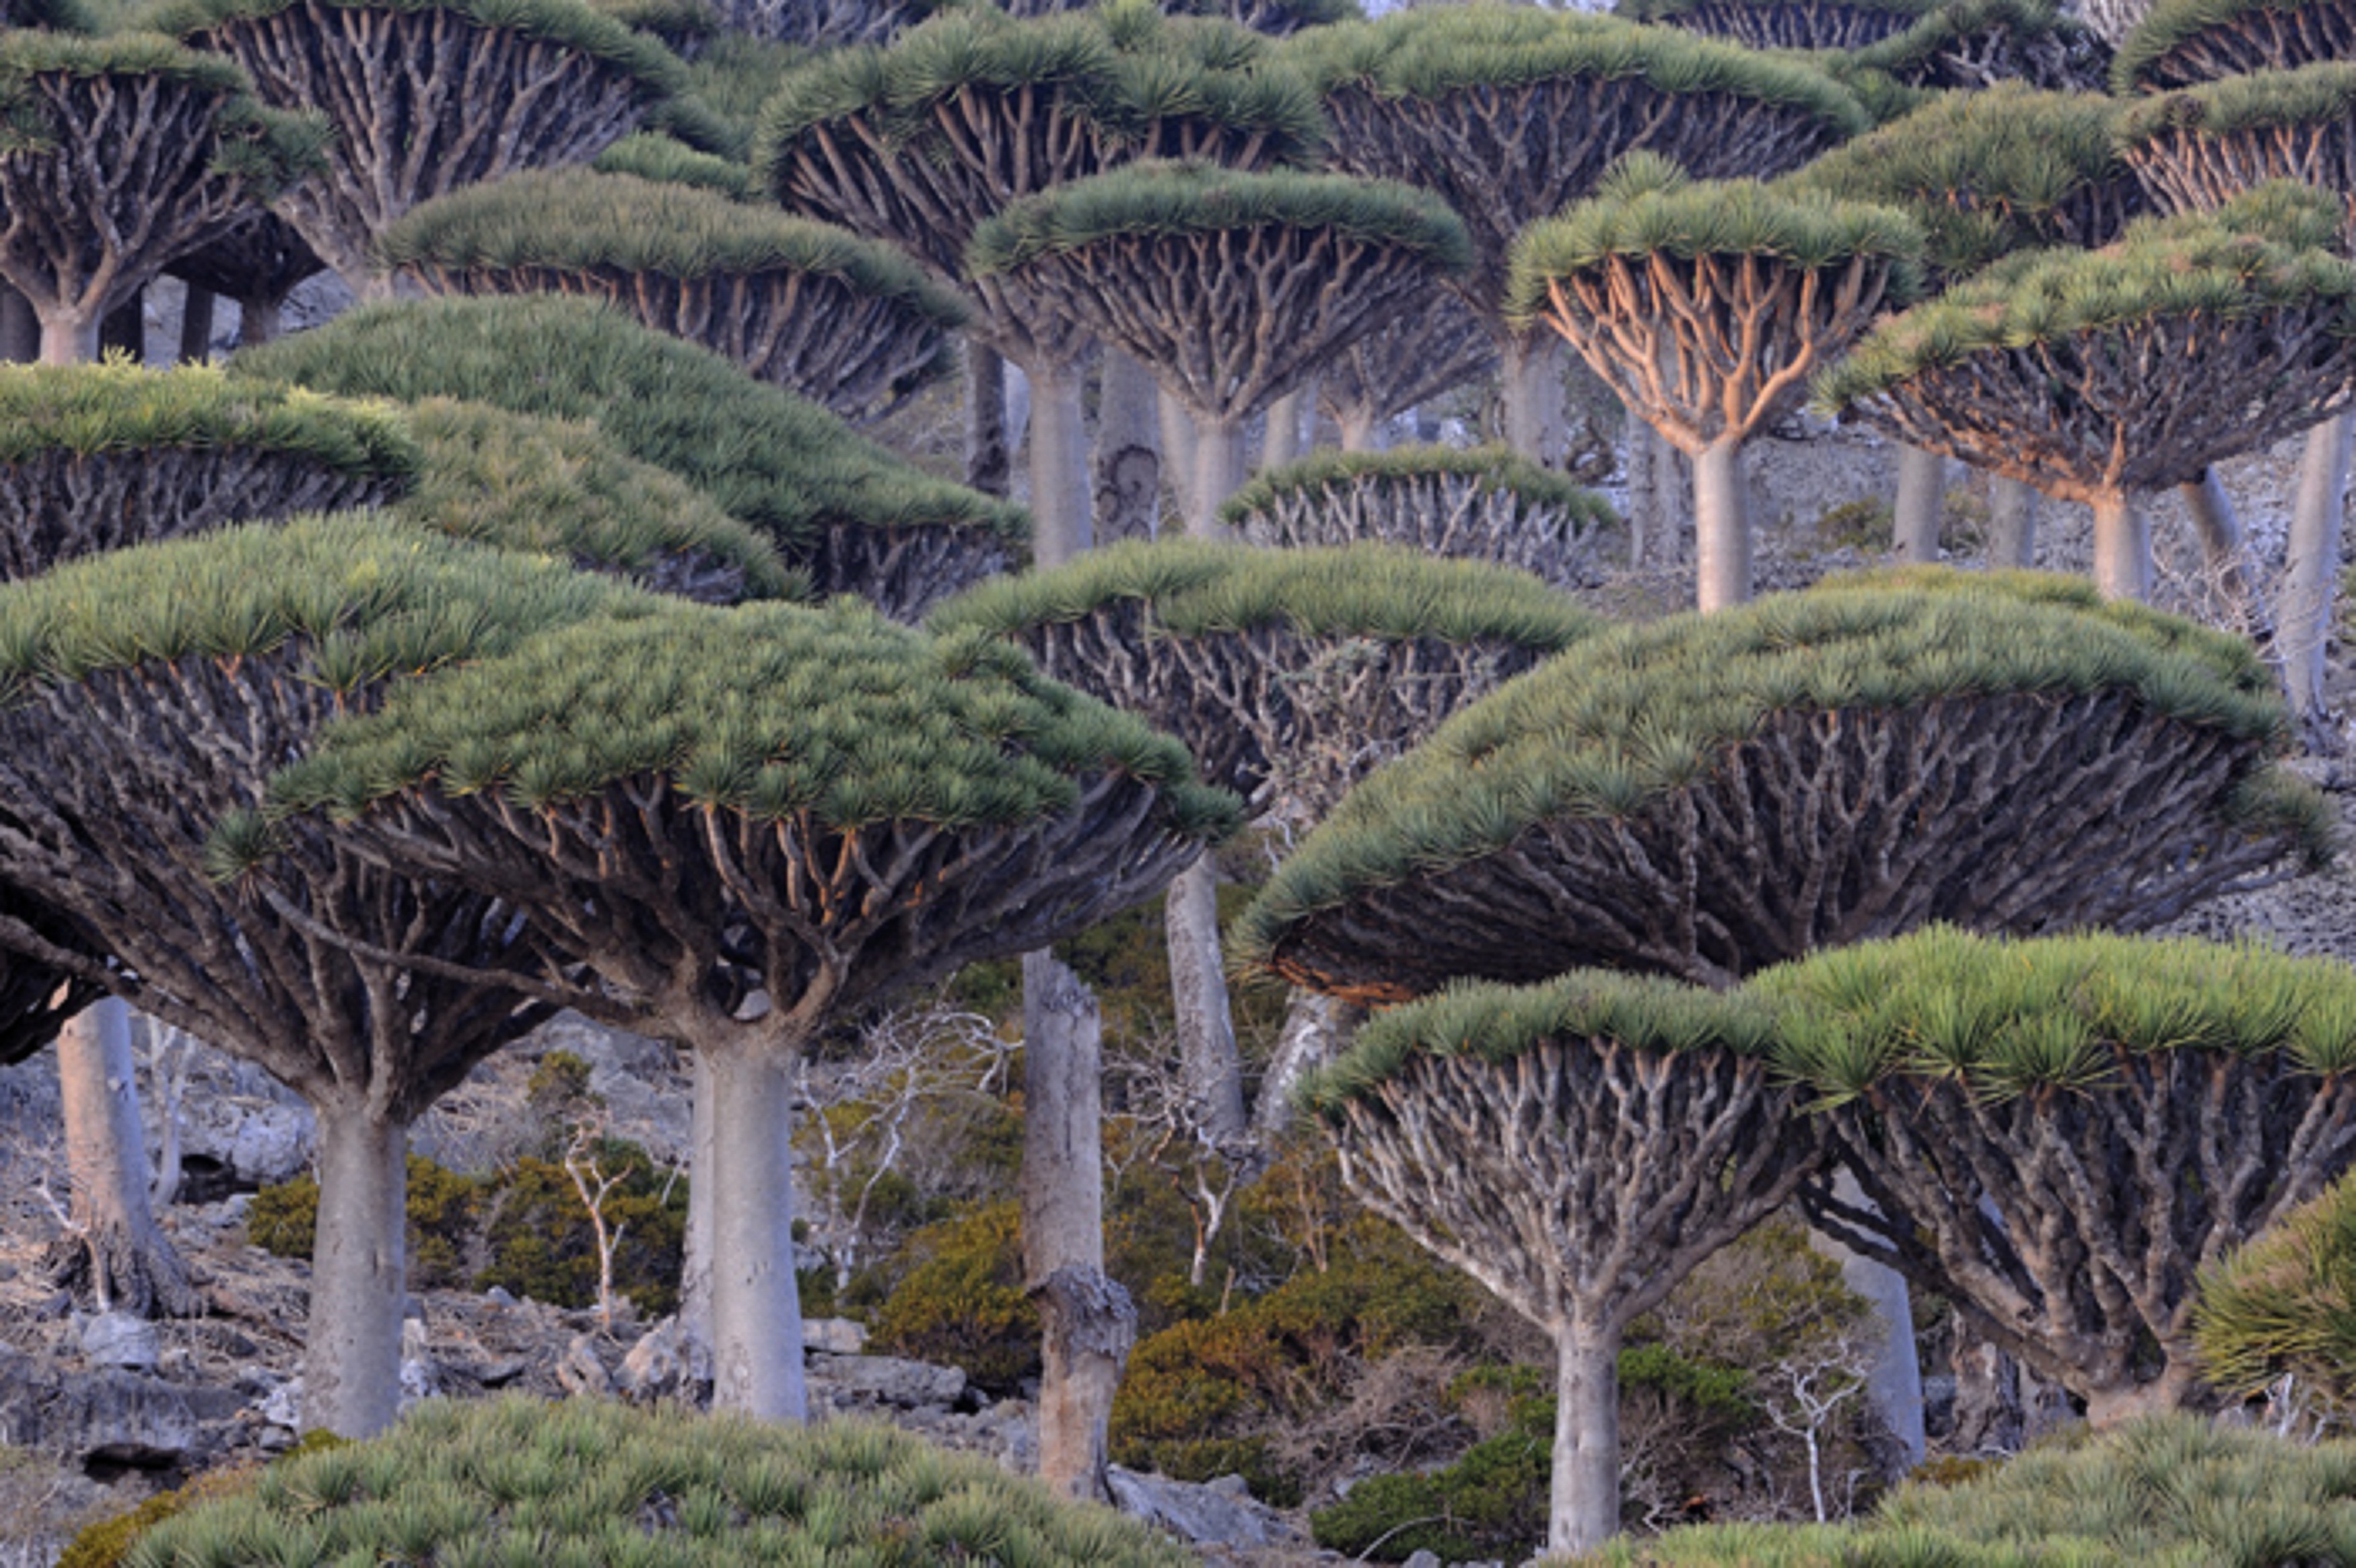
[2285,1306]
[2171,23]
[2261,252]
[1808,231]
[35,52]
[579,218]
[556,487]
[1636,714]
[585,1481]
[730,78]
[668,160]
[1152,199]
[117,406]
[1902,55]
[56,16]
[371,597]
[2317,94]
[1432,52]
[1493,467]
[775,461]
[1195,588]
[1118,70]
[768,709]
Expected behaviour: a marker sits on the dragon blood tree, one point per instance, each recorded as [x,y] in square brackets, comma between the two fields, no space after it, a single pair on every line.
[1707,308]
[1845,25]
[924,141]
[1275,17]
[845,322]
[1971,45]
[254,265]
[1406,360]
[2059,1135]
[841,508]
[98,457]
[1510,113]
[2183,43]
[1579,1148]
[739,824]
[1708,795]
[150,694]
[2097,375]
[1231,288]
[117,155]
[425,98]
[1482,505]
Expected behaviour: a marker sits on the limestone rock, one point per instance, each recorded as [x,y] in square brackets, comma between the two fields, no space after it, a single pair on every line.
[834,1336]
[1215,1514]
[887,1379]
[582,1373]
[665,1365]
[119,1339]
[109,1417]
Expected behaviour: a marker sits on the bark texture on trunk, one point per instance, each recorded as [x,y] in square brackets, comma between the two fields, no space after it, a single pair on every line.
[1894,1385]
[989,467]
[1128,460]
[258,319]
[1284,442]
[1921,496]
[1316,1031]
[352,1361]
[1584,1501]
[121,1261]
[1059,466]
[2218,529]
[756,1313]
[1220,470]
[68,340]
[2012,523]
[1198,985]
[1177,448]
[2121,548]
[703,1193]
[1361,431]
[1088,1319]
[1721,528]
[1533,394]
[2311,575]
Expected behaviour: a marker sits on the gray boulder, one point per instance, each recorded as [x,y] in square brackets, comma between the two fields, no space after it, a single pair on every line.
[886,1381]
[107,1417]
[1217,1513]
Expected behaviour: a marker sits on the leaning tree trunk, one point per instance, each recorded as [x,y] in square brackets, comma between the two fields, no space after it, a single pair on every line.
[1921,496]
[2012,523]
[351,1361]
[1533,396]
[989,467]
[1583,1508]
[121,1258]
[1198,987]
[1059,465]
[1128,461]
[757,1310]
[1220,469]
[2122,547]
[1088,1321]
[2219,530]
[1721,528]
[2304,621]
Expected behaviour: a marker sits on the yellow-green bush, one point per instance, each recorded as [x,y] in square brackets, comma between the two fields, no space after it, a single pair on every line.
[541,1243]
[442,1205]
[106,1542]
[961,1300]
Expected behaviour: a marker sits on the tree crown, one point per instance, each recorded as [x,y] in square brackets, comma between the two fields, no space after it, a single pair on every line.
[1670,10]
[2005,1017]
[1157,199]
[1429,53]
[580,218]
[1198,588]
[774,460]
[2171,23]
[2278,1306]
[1907,56]
[1656,212]
[768,709]
[2314,94]
[117,406]
[2261,252]
[1635,714]
[654,157]
[1494,467]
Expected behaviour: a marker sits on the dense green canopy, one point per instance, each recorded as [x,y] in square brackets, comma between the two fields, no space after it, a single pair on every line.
[841,508]
[1617,806]
[566,22]
[1807,229]
[2280,1308]
[653,156]
[2181,43]
[2197,149]
[1784,24]
[1977,44]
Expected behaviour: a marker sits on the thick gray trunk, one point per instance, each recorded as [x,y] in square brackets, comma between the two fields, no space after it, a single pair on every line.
[1360,430]
[1895,1383]
[1128,460]
[2311,574]
[1177,423]
[68,340]
[1921,496]
[1721,528]
[20,329]
[1198,987]
[757,1312]
[695,1262]
[1584,1509]
[1220,470]
[2218,530]
[120,1260]
[258,318]
[989,467]
[1088,1321]
[1059,466]
[1533,391]
[2121,548]
[1285,442]
[352,1358]
[197,325]
[2012,523]
[1316,1031]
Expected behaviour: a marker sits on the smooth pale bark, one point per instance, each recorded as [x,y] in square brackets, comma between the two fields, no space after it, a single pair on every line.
[1198,985]
[2311,572]
[1584,1502]
[989,467]
[1221,466]
[2121,548]
[1317,1029]
[1060,502]
[1533,393]
[756,1311]
[2012,523]
[120,1257]
[258,320]
[703,1193]
[1127,464]
[1177,448]
[1088,1321]
[1360,430]
[197,325]
[68,340]
[1721,528]
[1894,1385]
[352,1361]
[2218,530]
[1284,442]
[1921,496]
[20,328]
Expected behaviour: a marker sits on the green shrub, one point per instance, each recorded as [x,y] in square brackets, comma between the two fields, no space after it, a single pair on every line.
[443,1208]
[2285,1306]
[961,1300]
[541,1243]
[106,1542]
